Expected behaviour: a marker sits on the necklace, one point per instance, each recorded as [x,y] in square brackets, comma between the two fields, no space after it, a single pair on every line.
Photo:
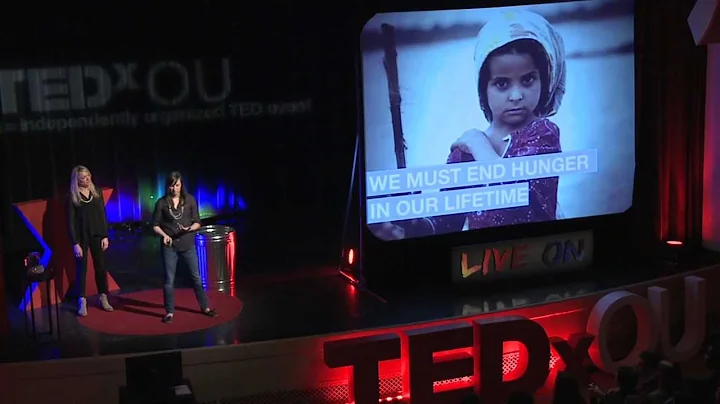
[178,215]
[87,199]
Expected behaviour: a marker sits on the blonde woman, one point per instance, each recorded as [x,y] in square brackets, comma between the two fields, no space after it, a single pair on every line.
[88,228]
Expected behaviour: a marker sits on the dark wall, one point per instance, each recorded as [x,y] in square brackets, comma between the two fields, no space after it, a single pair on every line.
[282,161]
[285,173]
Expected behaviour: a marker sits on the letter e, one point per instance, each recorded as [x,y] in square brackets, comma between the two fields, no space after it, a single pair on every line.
[421,371]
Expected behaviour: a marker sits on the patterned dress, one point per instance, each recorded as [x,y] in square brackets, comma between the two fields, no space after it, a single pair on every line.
[539,137]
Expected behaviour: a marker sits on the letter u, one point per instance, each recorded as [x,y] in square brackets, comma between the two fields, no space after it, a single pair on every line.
[695,319]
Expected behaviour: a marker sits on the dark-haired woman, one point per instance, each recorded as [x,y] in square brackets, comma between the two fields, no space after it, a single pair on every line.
[176,219]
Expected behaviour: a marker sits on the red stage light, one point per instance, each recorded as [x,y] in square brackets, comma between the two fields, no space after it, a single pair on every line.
[391,399]
[348,266]
[674,243]
[349,277]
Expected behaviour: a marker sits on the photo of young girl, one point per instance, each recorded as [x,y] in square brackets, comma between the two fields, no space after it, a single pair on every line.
[520,72]
[520,61]
[520,65]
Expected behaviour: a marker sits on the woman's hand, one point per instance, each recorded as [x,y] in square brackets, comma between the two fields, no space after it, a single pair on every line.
[104,243]
[477,144]
[387,231]
[167,240]
[77,250]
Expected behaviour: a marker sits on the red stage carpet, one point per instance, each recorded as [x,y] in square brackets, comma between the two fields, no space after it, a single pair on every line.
[139,313]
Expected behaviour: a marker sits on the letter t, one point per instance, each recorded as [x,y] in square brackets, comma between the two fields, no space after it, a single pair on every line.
[363,354]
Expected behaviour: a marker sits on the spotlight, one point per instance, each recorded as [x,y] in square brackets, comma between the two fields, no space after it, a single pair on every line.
[673,252]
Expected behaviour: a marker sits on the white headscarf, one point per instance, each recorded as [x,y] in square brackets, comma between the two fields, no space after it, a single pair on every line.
[512,26]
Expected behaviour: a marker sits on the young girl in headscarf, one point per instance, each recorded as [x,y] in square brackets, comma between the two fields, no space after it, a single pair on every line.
[520,77]
[520,65]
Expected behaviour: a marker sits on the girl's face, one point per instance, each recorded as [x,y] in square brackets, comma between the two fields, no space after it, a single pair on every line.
[514,88]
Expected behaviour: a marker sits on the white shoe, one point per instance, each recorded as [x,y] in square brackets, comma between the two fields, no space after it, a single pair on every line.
[104,303]
[82,307]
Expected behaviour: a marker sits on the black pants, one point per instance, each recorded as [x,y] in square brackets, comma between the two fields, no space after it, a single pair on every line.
[98,256]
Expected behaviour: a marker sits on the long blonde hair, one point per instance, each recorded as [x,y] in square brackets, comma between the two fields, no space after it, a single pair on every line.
[75,189]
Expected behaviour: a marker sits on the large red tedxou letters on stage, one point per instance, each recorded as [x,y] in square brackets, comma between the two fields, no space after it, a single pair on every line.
[446,362]
[47,220]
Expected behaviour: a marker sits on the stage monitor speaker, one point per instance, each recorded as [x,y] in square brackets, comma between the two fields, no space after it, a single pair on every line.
[704,21]
[156,379]
[152,372]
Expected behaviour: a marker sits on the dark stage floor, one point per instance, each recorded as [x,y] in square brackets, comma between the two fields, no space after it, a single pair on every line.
[297,304]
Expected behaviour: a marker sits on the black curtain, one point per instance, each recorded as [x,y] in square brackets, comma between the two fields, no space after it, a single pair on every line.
[670,104]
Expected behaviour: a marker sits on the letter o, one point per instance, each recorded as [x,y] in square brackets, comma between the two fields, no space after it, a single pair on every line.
[402,208]
[184,83]
[598,325]
[552,254]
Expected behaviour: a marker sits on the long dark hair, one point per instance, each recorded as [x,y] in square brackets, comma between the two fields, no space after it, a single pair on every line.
[171,180]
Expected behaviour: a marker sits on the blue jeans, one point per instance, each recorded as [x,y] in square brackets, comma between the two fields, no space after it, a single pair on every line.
[170,259]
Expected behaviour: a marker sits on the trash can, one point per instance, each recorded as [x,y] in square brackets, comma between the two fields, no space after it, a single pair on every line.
[216,257]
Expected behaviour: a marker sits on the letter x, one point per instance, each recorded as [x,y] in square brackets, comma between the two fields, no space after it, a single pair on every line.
[573,353]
